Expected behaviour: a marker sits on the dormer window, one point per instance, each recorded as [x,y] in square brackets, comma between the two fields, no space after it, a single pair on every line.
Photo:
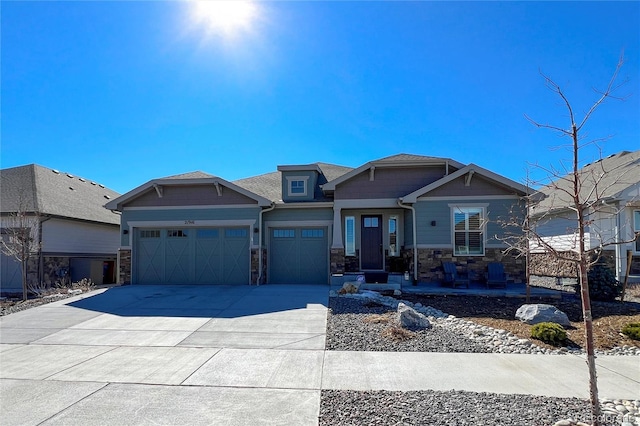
[297,186]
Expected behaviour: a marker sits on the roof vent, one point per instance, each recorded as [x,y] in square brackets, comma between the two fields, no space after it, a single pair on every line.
[101,186]
[81,180]
[107,197]
[55,171]
[69,175]
[93,183]
[72,188]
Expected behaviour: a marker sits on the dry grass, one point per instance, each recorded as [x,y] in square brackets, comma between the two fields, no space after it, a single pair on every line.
[397,333]
[378,319]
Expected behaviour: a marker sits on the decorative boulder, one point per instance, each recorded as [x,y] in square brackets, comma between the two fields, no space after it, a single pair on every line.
[350,287]
[537,313]
[411,319]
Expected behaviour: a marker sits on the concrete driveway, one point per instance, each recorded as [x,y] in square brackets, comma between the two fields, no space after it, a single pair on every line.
[228,355]
[166,355]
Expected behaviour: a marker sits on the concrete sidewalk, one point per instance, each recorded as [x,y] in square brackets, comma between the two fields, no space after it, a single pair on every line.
[234,355]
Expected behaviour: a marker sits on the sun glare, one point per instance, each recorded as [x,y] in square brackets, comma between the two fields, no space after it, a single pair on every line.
[226,17]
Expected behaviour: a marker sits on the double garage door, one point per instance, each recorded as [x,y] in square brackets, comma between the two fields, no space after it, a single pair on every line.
[192,256]
[298,255]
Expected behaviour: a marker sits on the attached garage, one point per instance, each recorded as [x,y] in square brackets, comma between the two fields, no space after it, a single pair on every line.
[298,255]
[192,255]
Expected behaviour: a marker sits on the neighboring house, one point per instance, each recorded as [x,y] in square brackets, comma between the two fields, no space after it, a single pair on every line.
[611,191]
[317,223]
[78,237]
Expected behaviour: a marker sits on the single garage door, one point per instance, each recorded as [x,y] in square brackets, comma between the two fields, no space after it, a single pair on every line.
[298,255]
[192,256]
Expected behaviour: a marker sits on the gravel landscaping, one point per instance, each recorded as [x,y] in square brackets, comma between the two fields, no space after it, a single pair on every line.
[368,324]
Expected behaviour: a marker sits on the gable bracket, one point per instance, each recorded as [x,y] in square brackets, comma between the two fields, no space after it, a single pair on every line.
[218,188]
[467,179]
[372,174]
[158,189]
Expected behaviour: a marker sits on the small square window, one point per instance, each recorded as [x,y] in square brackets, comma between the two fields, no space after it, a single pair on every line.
[297,186]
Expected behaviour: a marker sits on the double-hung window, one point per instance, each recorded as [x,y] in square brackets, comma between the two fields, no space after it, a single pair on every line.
[297,186]
[468,231]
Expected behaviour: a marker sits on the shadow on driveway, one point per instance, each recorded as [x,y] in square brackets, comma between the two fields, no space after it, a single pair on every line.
[221,301]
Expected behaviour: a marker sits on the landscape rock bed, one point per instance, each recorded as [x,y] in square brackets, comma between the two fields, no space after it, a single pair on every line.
[346,407]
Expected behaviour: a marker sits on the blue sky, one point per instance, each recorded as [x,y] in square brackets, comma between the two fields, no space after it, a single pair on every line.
[124,92]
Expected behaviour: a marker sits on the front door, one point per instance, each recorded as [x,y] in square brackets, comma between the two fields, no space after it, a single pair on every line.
[371,242]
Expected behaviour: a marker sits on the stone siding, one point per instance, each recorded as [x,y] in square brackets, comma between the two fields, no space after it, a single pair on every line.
[255,266]
[56,270]
[124,275]
[430,264]
[548,265]
[337,261]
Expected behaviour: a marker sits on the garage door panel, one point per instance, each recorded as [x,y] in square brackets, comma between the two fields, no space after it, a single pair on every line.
[150,253]
[192,256]
[298,256]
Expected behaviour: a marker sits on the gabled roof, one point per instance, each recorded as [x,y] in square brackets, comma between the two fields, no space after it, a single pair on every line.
[50,192]
[399,160]
[269,185]
[191,178]
[471,168]
[604,179]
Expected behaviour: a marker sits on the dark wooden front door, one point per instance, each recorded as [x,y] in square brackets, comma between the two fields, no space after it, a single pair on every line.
[371,242]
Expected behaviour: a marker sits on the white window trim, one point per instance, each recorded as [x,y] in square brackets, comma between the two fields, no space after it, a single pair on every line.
[459,207]
[291,179]
[347,243]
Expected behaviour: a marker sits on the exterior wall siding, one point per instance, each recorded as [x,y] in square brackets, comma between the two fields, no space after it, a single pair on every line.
[124,273]
[477,186]
[498,211]
[311,182]
[88,238]
[193,195]
[388,182]
[289,214]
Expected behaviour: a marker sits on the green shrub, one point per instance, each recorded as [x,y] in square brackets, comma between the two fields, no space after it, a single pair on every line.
[549,332]
[632,330]
[603,284]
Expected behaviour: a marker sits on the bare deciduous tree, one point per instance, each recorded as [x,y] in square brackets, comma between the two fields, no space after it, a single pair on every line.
[582,192]
[20,239]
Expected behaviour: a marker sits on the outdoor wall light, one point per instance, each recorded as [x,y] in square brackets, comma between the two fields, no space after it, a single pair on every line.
[125,231]
[433,223]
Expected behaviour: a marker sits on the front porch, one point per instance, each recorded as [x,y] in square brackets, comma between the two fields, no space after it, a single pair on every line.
[397,282]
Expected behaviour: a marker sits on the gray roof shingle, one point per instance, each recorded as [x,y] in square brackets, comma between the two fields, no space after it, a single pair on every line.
[51,192]
[610,176]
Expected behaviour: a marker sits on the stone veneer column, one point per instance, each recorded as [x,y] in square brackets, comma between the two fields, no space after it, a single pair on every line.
[124,260]
[337,261]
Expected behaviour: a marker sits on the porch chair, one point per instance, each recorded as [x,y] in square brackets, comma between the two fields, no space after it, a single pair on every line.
[451,276]
[495,275]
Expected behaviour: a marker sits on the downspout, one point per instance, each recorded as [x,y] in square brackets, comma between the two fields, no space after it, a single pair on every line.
[273,206]
[415,238]
[40,259]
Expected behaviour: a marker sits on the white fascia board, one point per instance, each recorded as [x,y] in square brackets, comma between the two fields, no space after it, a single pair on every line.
[300,168]
[331,186]
[413,197]
[366,203]
[116,203]
[304,205]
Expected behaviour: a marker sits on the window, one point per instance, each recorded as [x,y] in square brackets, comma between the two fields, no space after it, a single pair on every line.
[235,233]
[393,236]
[297,185]
[150,233]
[468,236]
[350,236]
[313,233]
[370,222]
[176,233]
[636,227]
[207,233]
[284,233]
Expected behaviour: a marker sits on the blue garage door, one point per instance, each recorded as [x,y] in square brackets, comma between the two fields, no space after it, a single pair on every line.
[192,256]
[298,255]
